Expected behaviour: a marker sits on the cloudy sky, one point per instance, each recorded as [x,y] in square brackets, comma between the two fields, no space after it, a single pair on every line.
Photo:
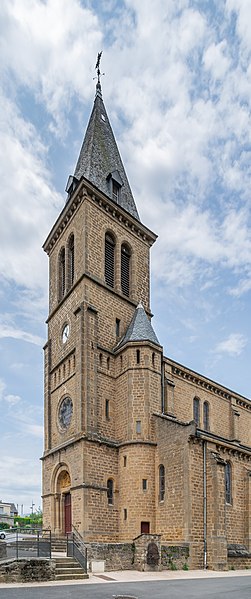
[177,88]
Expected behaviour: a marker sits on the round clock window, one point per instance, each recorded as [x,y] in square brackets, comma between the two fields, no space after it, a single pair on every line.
[65,333]
[65,412]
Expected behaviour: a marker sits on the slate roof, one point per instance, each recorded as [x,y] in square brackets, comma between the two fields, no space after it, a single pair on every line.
[140,329]
[99,157]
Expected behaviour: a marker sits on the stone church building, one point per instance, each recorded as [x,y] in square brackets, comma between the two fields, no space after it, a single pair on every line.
[137,446]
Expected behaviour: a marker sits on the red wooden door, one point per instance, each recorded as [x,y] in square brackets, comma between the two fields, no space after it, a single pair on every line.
[145,528]
[67,512]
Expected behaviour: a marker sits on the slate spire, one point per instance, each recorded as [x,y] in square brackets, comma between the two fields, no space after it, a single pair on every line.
[99,159]
[140,329]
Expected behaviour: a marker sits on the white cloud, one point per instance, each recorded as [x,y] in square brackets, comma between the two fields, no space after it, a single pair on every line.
[2,389]
[20,481]
[15,333]
[35,430]
[242,287]
[233,345]
[28,201]
[45,45]
[216,61]
[12,399]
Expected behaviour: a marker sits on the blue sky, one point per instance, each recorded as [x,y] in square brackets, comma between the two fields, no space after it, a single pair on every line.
[177,88]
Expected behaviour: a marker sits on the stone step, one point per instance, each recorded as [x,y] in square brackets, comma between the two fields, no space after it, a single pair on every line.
[71,576]
[65,560]
[59,548]
[67,568]
[70,564]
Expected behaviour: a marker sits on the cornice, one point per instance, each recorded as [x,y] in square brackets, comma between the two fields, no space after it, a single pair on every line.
[204,383]
[224,445]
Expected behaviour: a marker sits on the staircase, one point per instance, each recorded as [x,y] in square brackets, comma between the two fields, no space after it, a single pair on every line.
[58,544]
[67,568]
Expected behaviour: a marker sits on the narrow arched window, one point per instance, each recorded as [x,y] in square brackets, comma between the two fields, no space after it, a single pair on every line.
[125,269]
[109,259]
[161,482]
[71,264]
[62,273]
[206,415]
[196,410]
[228,482]
[110,491]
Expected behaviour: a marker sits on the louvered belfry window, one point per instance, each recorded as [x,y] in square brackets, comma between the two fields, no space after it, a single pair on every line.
[71,260]
[62,273]
[125,269]
[109,259]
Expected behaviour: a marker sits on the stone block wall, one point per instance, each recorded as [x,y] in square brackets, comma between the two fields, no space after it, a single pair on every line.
[28,570]
[3,550]
[117,556]
[175,557]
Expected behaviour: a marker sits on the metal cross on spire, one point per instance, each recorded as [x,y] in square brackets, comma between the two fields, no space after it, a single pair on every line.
[99,74]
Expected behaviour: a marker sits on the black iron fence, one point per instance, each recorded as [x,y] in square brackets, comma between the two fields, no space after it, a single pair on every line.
[76,548]
[22,542]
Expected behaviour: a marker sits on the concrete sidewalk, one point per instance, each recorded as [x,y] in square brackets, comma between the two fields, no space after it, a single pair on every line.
[133,576]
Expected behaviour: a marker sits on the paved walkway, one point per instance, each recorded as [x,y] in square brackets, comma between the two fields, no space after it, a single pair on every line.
[133,576]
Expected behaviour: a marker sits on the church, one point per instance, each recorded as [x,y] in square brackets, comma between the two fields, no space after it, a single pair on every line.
[137,447]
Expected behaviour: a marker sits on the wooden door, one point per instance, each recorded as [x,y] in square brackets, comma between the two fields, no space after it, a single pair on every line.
[145,528]
[67,512]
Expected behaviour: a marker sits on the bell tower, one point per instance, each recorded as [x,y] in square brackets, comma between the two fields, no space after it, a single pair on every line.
[99,318]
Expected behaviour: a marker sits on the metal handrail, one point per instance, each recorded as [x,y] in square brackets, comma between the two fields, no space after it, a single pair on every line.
[76,547]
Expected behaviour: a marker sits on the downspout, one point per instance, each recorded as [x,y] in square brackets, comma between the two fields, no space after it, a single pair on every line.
[162,385]
[205,502]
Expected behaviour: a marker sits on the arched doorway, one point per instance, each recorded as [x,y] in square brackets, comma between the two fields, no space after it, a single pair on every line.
[63,506]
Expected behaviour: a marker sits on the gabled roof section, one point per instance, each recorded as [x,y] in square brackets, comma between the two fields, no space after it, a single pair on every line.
[140,329]
[99,158]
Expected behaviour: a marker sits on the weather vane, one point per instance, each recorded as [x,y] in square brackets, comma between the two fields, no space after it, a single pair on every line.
[99,74]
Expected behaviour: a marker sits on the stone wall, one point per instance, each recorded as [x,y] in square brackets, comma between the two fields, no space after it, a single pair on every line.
[175,557]
[133,556]
[117,556]
[28,570]
[3,550]
[239,563]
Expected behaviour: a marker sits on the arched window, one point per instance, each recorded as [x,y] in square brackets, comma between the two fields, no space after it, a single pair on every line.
[62,273]
[71,264]
[206,415]
[109,259]
[196,410]
[228,482]
[125,269]
[161,482]
[110,491]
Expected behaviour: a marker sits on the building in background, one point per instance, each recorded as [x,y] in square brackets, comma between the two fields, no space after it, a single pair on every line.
[136,445]
[8,512]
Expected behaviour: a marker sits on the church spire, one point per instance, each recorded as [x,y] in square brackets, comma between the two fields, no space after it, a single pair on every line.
[99,159]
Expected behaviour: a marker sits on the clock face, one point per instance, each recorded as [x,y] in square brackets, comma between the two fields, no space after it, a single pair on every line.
[65,412]
[65,333]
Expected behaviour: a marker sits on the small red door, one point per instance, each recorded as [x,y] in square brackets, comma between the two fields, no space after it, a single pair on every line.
[145,528]
[67,512]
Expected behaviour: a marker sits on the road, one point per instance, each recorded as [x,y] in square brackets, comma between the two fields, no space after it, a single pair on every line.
[214,588]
